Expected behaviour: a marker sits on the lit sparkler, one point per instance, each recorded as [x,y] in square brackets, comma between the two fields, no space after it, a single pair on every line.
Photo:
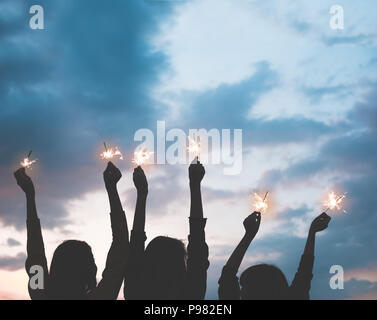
[110,153]
[194,147]
[141,156]
[334,202]
[26,162]
[260,204]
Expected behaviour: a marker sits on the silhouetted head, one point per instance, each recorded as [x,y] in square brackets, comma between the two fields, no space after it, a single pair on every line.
[263,282]
[72,272]
[165,269]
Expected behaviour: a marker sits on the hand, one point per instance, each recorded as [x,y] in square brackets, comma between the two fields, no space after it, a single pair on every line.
[25,182]
[320,223]
[111,175]
[252,223]
[140,180]
[196,172]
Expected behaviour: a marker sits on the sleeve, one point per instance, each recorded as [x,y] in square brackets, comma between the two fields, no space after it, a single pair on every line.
[229,287]
[112,277]
[197,260]
[133,289]
[36,262]
[300,287]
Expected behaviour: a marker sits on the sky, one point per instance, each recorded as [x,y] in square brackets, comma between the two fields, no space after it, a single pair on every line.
[303,94]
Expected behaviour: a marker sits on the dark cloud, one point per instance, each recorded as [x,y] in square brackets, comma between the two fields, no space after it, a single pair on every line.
[65,89]
[315,94]
[13,242]
[13,263]
[359,39]
[228,106]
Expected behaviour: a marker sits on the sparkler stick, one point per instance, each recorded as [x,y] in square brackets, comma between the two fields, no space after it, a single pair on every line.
[265,196]
[104,143]
[30,152]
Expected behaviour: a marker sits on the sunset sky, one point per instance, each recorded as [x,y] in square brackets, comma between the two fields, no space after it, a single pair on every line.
[303,94]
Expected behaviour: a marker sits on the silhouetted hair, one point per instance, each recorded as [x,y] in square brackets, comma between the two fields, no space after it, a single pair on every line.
[165,269]
[263,282]
[72,272]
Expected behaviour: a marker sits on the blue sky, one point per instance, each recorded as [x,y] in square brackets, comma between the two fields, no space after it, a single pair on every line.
[303,94]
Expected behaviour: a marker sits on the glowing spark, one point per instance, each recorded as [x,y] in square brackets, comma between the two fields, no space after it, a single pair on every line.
[110,153]
[260,205]
[194,146]
[141,156]
[334,202]
[27,163]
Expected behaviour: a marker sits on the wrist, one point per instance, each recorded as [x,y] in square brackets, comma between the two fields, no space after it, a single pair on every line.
[142,193]
[312,232]
[250,234]
[111,187]
[194,184]
[30,196]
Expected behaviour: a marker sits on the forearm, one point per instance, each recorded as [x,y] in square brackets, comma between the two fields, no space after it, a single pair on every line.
[31,208]
[114,200]
[300,286]
[310,244]
[34,246]
[196,207]
[139,219]
[238,254]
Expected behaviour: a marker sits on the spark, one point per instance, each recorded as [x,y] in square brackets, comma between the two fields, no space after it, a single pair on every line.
[260,204]
[26,162]
[334,202]
[110,153]
[194,146]
[141,156]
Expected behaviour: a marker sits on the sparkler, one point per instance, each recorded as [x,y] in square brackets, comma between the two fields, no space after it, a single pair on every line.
[110,153]
[27,163]
[194,147]
[141,156]
[260,205]
[334,202]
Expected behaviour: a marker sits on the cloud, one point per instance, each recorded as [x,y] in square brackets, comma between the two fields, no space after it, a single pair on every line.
[369,274]
[63,90]
[13,242]
[360,39]
[13,263]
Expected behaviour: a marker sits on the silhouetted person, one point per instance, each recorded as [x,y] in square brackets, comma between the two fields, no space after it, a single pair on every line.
[267,282]
[73,270]
[164,270]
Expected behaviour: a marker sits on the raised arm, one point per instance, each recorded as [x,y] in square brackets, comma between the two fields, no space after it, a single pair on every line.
[132,289]
[228,284]
[36,260]
[301,283]
[197,249]
[112,276]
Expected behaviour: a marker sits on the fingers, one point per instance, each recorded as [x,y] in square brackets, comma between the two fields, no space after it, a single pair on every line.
[324,217]
[20,174]
[111,166]
[256,214]
[139,170]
